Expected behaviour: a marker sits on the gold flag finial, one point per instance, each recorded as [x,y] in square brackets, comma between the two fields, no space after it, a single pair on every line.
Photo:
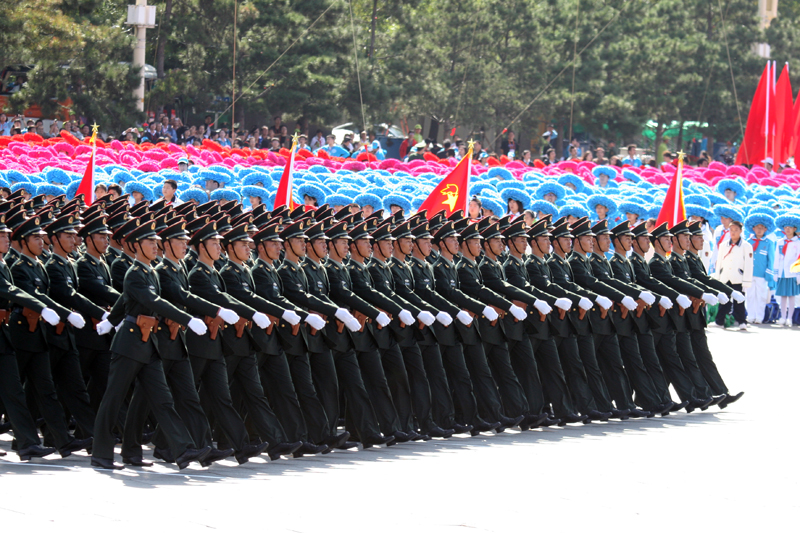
[681,155]
[95,127]
[470,144]
[295,138]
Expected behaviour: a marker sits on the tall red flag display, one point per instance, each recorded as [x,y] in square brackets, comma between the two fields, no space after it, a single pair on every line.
[86,188]
[452,193]
[673,210]
[756,134]
[283,196]
[784,118]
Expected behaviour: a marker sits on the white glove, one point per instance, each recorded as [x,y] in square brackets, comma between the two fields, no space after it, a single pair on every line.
[444,318]
[464,318]
[291,317]
[723,298]
[406,317]
[518,312]
[683,301]
[228,316]
[564,303]
[105,315]
[261,320]
[384,321]
[603,302]
[647,297]
[118,326]
[585,304]
[198,326]
[352,324]
[737,297]
[104,327]
[665,302]
[50,316]
[427,318]
[76,320]
[315,321]
[343,315]
[709,299]
[630,303]
[543,307]
[489,313]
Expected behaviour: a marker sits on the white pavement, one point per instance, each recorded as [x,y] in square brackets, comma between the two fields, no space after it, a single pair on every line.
[715,471]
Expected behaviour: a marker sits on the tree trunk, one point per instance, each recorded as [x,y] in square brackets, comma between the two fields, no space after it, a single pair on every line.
[659,137]
[163,33]
[374,23]
[680,137]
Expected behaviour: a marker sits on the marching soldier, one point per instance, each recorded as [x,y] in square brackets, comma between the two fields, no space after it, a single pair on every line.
[122,263]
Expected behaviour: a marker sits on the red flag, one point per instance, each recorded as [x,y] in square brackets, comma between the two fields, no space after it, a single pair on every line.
[452,193]
[86,188]
[784,119]
[673,210]
[284,194]
[754,149]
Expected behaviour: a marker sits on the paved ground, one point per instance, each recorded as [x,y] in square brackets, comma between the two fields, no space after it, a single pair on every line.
[720,471]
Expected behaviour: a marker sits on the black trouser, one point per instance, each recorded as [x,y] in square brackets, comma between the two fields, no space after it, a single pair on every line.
[646,394]
[313,412]
[14,402]
[647,349]
[34,368]
[594,375]
[360,416]
[397,378]
[575,373]
[458,377]
[94,367]
[442,408]
[490,406]
[187,404]
[517,377]
[244,373]
[706,362]
[65,366]
[683,345]
[675,372]
[275,379]
[150,377]
[326,383]
[739,311]
[551,375]
[377,387]
[211,378]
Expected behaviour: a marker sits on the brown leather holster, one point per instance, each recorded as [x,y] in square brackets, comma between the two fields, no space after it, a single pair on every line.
[500,314]
[402,324]
[32,317]
[146,325]
[524,307]
[4,314]
[623,311]
[240,325]
[561,313]
[640,307]
[696,303]
[473,315]
[662,310]
[323,317]
[213,324]
[603,312]
[361,317]
[60,328]
[173,327]
[581,313]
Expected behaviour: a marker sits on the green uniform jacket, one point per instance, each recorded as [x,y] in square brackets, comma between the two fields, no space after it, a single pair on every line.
[384,282]
[268,285]
[31,276]
[64,285]
[681,268]
[307,286]
[141,295]
[644,277]
[561,272]
[516,275]
[539,275]
[205,282]
[469,274]
[424,286]
[343,293]
[94,278]
[624,279]
[175,289]
[661,268]
[11,295]
[119,268]
[584,276]
[448,285]
[403,285]
[379,293]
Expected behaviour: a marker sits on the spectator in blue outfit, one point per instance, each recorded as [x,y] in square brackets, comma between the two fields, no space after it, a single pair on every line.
[759,225]
[632,159]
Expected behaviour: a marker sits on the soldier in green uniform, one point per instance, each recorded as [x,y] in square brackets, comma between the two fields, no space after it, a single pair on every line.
[65,362]
[282,343]
[274,370]
[668,331]
[28,336]
[209,358]
[171,339]
[603,338]
[540,339]
[308,286]
[114,222]
[122,263]
[12,394]
[135,356]
[681,244]
[94,280]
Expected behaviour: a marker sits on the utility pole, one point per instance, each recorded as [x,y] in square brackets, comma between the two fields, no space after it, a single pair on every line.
[140,16]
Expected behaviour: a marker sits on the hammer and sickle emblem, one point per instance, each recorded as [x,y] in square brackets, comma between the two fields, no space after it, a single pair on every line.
[451,192]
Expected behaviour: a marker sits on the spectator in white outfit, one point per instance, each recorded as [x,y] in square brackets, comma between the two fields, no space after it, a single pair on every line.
[734,267]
